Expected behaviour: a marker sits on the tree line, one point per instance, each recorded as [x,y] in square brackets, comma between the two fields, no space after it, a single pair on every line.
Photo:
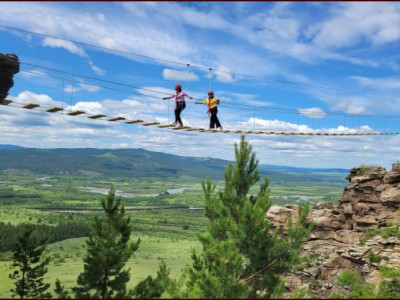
[48,234]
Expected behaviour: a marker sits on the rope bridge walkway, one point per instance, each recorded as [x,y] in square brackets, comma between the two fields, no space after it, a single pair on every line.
[33,106]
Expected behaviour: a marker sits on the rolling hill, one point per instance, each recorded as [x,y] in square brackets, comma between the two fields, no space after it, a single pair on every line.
[136,162]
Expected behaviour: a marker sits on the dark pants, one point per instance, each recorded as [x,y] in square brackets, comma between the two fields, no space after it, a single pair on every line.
[179,107]
[214,119]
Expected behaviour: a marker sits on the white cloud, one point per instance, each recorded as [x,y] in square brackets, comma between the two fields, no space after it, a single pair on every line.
[69,88]
[223,74]
[69,46]
[34,73]
[179,75]
[349,108]
[76,87]
[313,112]
[273,125]
[352,23]
[89,87]
[379,83]
[96,69]
[88,107]
[41,99]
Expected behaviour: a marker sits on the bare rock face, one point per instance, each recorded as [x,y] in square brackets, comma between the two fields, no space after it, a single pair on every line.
[371,200]
[9,65]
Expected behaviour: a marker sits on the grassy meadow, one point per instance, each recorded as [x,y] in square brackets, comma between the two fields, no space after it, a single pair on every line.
[67,260]
[166,214]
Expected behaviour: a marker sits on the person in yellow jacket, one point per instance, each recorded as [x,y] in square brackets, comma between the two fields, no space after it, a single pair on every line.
[212,103]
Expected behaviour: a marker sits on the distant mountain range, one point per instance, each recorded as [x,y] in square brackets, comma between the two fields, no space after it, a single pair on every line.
[10,147]
[302,170]
[135,163]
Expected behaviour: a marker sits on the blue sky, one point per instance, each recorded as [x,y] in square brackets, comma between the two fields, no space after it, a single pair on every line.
[275,66]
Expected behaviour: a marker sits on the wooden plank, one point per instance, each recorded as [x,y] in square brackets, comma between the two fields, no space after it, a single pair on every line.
[54,109]
[133,121]
[75,113]
[96,116]
[116,119]
[30,105]
[5,102]
[211,130]
[150,123]
[165,125]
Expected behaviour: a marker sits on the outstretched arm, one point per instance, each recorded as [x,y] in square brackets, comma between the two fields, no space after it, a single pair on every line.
[186,95]
[169,97]
[201,102]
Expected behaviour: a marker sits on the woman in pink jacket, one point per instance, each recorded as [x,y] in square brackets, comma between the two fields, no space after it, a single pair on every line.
[179,103]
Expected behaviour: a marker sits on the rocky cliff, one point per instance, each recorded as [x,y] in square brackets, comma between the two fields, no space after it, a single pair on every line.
[9,65]
[353,234]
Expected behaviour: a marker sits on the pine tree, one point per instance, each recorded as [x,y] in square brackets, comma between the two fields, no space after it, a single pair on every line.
[108,249]
[29,276]
[150,288]
[241,257]
[60,291]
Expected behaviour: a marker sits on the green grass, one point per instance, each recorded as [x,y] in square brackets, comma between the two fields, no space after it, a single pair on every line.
[17,215]
[175,252]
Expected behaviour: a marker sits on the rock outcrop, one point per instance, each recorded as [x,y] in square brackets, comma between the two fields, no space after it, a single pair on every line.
[338,242]
[9,65]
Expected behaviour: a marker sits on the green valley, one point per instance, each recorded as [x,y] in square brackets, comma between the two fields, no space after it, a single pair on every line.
[62,188]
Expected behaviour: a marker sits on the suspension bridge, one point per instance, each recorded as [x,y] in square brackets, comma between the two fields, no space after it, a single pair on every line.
[52,110]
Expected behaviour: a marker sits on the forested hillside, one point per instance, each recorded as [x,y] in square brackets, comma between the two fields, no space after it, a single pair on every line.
[136,163]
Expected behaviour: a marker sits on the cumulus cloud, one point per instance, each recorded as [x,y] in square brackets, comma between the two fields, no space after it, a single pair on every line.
[313,112]
[349,108]
[273,125]
[30,97]
[88,107]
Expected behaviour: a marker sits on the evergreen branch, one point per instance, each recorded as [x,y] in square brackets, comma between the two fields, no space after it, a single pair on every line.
[242,281]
